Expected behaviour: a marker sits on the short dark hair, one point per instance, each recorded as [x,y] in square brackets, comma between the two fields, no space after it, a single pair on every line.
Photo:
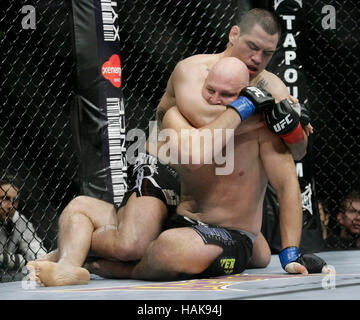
[347,201]
[7,178]
[266,19]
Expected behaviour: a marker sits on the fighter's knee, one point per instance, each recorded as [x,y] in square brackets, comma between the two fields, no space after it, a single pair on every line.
[78,204]
[266,258]
[128,251]
[75,208]
[126,248]
[119,243]
[264,261]
[260,260]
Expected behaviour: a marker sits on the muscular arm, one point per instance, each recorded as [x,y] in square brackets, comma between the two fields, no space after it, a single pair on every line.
[187,82]
[185,85]
[278,90]
[280,169]
[193,143]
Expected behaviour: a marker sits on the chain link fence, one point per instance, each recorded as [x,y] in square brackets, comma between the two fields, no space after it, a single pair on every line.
[35,137]
[37,78]
[333,70]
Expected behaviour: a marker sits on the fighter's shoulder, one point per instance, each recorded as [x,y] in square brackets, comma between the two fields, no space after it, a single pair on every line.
[193,63]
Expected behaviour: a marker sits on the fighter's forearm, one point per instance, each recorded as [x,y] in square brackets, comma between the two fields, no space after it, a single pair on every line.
[290,216]
[204,143]
[298,150]
[202,114]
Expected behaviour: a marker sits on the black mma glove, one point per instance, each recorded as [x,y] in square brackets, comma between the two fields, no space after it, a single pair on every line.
[285,122]
[251,100]
[311,262]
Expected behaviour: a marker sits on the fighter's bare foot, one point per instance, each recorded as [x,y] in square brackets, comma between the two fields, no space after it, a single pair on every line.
[51,256]
[47,273]
[33,273]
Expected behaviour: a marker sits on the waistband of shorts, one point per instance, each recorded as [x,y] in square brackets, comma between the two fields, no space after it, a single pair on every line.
[250,235]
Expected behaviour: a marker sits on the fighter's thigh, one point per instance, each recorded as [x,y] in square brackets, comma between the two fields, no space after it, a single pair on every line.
[141,218]
[183,250]
[138,223]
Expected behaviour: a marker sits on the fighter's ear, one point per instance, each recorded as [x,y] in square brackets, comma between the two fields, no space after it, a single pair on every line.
[234,34]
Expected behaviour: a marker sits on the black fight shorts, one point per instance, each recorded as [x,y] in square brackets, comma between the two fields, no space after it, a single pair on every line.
[237,245]
[149,177]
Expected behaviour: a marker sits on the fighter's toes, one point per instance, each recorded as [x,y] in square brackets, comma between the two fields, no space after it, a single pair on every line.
[33,273]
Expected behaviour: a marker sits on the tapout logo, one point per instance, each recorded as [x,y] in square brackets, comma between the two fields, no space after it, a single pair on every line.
[111,70]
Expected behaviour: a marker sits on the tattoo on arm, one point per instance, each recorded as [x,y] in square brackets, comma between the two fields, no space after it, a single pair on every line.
[262,84]
[160,113]
[159,116]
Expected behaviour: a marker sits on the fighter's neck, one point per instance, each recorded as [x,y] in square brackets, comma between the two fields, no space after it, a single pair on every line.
[255,81]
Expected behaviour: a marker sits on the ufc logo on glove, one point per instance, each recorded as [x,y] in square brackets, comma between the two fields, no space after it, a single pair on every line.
[281,125]
[256,91]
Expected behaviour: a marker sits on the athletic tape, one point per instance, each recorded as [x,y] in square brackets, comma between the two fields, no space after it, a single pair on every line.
[243,106]
[288,255]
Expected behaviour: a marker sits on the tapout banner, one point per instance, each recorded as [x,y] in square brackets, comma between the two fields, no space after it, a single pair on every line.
[287,64]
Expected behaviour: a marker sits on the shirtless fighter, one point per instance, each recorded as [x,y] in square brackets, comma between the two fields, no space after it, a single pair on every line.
[49,273]
[146,204]
[219,216]
[125,234]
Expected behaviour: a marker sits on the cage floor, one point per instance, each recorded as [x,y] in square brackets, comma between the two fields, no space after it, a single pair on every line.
[255,284]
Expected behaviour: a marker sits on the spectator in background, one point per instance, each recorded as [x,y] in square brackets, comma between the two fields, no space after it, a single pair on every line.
[18,240]
[347,235]
[324,218]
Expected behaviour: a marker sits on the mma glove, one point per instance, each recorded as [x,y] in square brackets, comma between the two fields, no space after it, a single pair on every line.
[284,121]
[311,262]
[251,100]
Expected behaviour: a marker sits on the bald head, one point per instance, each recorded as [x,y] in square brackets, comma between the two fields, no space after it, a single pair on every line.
[231,69]
[225,80]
